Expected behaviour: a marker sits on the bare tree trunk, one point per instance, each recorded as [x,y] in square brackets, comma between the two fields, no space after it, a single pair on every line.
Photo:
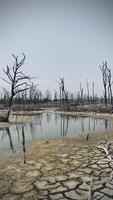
[62,92]
[87,84]
[93,91]
[60,98]
[111,97]
[109,85]
[105,94]
[9,109]
[104,69]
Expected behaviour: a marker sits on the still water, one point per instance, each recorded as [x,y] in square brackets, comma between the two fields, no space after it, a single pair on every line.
[49,126]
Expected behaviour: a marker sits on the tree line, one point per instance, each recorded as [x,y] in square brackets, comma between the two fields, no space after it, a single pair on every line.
[24,91]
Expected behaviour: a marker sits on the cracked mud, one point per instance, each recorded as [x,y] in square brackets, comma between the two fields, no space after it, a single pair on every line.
[63,170]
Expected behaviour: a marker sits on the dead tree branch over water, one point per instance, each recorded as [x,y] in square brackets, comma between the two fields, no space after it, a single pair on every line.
[17,80]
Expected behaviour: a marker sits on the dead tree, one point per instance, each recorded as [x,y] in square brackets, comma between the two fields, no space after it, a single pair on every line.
[33,93]
[103,69]
[81,93]
[93,91]
[109,76]
[63,93]
[55,96]
[48,95]
[71,96]
[87,85]
[17,80]
[6,95]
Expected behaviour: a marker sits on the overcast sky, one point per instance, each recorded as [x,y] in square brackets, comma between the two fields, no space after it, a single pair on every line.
[67,38]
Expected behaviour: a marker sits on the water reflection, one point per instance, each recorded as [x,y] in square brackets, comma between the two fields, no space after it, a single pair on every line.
[48,125]
[17,129]
[48,116]
[64,125]
[10,138]
[56,118]
[82,125]
[94,125]
[106,124]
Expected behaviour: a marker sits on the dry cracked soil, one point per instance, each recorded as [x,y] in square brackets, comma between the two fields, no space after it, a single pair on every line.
[58,170]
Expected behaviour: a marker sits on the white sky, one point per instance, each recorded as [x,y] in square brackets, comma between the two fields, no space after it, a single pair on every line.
[67,38]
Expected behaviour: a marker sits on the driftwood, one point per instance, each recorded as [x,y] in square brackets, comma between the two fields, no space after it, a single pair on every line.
[109,154]
[90,194]
[87,136]
[111,177]
[107,150]
[23,144]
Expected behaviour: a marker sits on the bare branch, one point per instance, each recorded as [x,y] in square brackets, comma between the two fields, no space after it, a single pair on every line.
[5,80]
[21,84]
[15,57]
[21,90]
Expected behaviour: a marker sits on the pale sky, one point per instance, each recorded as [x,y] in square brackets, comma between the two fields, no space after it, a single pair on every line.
[67,38]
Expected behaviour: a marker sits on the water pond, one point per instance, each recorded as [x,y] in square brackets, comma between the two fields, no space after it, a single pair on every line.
[49,126]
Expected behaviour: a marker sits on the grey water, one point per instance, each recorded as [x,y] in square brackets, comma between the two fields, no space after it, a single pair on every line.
[49,126]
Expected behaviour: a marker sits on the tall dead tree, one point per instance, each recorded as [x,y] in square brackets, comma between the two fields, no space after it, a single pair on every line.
[6,96]
[17,80]
[81,92]
[103,69]
[55,96]
[93,91]
[63,93]
[48,95]
[33,93]
[109,77]
[87,85]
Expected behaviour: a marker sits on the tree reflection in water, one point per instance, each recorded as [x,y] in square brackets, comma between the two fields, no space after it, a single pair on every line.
[10,139]
[48,117]
[64,124]
[36,122]
[82,124]
[18,131]
[56,118]
[49,125]
[106,124]
[6,132]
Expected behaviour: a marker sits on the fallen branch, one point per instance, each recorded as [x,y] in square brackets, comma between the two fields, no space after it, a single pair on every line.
[107,150]
[111,177]
[90,194]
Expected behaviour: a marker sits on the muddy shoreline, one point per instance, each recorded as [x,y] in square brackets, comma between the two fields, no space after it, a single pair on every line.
[23,117]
